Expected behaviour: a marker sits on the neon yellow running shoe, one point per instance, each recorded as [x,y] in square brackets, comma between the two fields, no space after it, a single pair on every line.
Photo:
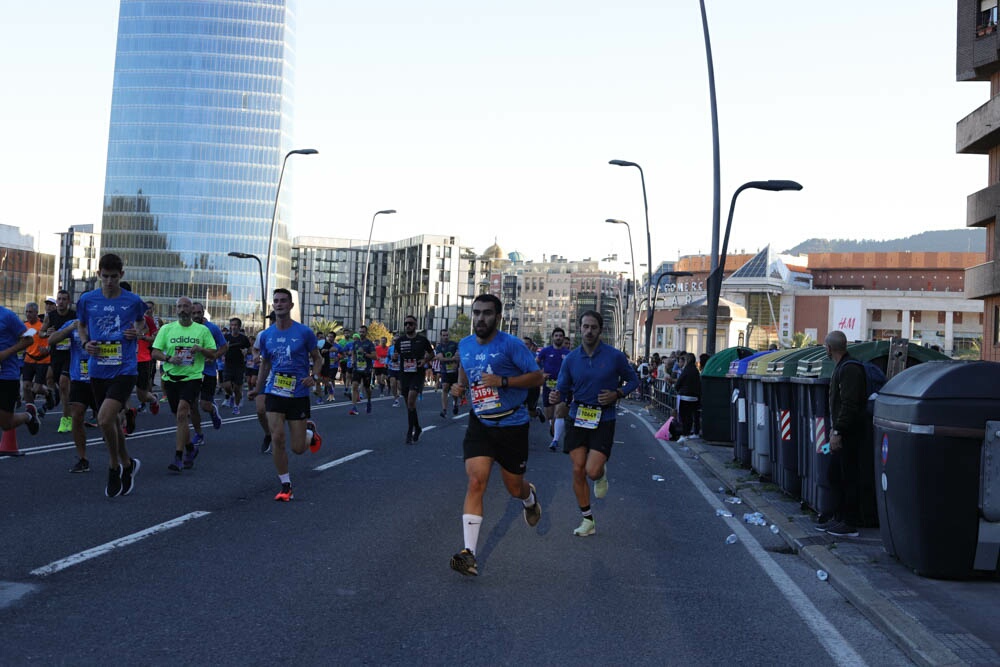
[587,527]
[65,425]
[601,485]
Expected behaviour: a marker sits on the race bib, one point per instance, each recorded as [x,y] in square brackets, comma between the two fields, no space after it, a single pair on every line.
[284,385]
[550,384]
[361,364]
[109,353]
[409,365]
[587,417]
[63,345]
[451,365]
[84,370]
[484,398]
[184,356]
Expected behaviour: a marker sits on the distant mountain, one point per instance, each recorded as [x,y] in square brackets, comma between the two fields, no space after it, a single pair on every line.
[951,240]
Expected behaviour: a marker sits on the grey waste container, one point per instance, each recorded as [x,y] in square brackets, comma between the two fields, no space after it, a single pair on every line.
[930,427]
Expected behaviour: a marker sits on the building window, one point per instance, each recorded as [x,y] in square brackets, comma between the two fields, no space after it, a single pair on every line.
[987,21]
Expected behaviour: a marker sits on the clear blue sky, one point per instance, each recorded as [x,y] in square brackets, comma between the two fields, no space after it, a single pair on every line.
[488,120]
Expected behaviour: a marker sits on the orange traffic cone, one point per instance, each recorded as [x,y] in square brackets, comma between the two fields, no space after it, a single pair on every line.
[8,444]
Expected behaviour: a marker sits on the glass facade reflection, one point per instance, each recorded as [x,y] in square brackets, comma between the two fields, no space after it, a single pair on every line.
[200,122]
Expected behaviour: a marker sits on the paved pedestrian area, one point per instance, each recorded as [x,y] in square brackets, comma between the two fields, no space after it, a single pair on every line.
[936,622]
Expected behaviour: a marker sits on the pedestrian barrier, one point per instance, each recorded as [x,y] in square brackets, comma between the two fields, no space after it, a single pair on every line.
[8,444]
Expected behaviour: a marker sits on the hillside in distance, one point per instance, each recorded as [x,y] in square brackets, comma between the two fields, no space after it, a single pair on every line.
[949,240]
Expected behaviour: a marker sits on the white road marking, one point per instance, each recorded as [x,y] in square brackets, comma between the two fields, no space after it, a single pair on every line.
[829,637]
[428,428]
[343,459]
[76,559]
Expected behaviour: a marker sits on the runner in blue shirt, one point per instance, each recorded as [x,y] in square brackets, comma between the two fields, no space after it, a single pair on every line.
[594,373]
[362,357]
[81,396]
[110,321]
[393,370]
[286,350]
[210,379]
[550,358]
[14,340]
[498,370]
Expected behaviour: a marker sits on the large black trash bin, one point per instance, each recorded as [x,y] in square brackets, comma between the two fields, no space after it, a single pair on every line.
[716,419]
[930,424]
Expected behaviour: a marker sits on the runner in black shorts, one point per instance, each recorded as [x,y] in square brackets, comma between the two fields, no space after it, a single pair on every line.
[235,369]
[59,352]
[414,352]
[499,370]
[595,373]
[14,339]
[447,356]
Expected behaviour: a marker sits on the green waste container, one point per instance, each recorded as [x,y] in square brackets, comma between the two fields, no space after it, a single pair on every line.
[717,424]
[935,448]
[782,399]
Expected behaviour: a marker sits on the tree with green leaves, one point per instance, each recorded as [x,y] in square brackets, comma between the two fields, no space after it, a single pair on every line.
[461,327]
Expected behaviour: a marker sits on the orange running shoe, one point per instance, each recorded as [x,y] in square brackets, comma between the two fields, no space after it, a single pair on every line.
[285,494]
[317,441]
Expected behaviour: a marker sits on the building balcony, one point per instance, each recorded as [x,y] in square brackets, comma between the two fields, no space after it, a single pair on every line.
[982,280]
[978,132]
[981,207]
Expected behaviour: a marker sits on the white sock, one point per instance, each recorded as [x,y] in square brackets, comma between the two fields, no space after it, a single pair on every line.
[286,478]
[309,436]
[530,500]
[560,428]
[470,529]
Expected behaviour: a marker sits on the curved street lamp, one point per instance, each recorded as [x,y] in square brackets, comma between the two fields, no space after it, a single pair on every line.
[263,293]
[368,253]
[274,211]
[719,270]
[649,242]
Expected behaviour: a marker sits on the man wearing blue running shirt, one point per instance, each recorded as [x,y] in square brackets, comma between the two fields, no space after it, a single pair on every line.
[110,321]
[14,340]
[593,373]
[286,350]
[210,377]
[498,370]
[550,358]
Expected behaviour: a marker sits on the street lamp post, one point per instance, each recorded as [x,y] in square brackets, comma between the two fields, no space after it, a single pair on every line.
[364,283]
[718,271]
[649,243]
[635,293]
[274,211]
[354,312]
[263,292]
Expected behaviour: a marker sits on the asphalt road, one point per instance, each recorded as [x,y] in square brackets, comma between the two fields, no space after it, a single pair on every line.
[355,569]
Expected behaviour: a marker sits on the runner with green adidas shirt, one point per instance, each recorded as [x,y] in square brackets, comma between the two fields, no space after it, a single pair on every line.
[183,347]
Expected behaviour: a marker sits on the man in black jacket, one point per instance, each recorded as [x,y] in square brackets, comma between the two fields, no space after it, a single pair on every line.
[847,428]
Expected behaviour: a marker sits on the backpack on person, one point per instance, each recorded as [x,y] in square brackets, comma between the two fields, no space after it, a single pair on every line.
[875,379]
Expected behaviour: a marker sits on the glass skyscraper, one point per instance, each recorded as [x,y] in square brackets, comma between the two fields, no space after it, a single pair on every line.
[200,121]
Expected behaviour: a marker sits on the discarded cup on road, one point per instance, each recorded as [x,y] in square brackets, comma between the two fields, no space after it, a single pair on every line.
[775,529]
[732,539]
[754,518]
[822,575]
[733,500]
[722,512]
[658,478]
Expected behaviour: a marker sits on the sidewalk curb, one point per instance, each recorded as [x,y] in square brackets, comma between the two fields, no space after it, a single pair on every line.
[907,633]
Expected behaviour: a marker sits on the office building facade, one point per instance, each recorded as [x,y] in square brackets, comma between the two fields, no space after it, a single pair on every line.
[79,251]
[200,122]
[25,274]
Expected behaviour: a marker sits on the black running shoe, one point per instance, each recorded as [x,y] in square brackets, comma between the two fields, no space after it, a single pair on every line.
[409,437]
[49,401]
[83,465]
[130,420]
[33,422]
[444,415]
[454,409]
[128,476]
[114,487]
[176,466]
[265,447]
[416,434]
[189,456]
[464,562]
[540,413]
[534,513]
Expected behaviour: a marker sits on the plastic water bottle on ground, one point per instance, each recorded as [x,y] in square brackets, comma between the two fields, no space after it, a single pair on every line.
[734,500]
[822,575]
[732,539]
[724,513]
[775,529]
[658,478]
